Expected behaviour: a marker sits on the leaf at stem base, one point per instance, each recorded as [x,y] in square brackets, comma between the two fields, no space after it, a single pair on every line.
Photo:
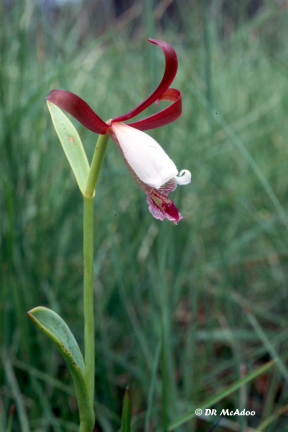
[57,330]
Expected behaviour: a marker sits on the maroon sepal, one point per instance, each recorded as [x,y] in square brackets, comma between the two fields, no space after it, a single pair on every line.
[165,116]
[79,109]
[171,67]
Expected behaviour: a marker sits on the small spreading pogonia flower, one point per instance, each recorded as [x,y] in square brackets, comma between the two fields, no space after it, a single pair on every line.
[149,165]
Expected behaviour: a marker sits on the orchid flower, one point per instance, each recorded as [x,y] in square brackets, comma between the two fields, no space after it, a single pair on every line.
[149,165]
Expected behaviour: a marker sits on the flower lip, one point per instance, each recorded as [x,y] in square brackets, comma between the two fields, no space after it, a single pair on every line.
[161,207]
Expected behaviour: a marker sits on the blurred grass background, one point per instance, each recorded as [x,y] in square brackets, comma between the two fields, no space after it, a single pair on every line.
[219,278]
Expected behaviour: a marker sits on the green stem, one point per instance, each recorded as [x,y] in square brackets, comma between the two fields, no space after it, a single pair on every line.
[96,165]
[88,295]
[88,253]
[86,411]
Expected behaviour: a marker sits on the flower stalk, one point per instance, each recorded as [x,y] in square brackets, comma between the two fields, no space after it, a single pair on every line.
[88,257]
[88,300]
[96,165]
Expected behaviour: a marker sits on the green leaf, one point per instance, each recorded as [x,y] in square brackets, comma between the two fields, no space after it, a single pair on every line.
[72,145]
[57,330]
[220,395]
[126,412]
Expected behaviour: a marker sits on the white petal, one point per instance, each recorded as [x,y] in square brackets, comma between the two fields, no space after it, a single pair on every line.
[145,156]
[184,177]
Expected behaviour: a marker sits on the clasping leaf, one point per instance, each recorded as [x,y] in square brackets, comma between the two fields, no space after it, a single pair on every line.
[72,145]
[57,330]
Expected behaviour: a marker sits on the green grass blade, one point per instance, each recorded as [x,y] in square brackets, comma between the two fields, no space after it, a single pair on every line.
[21,411]
[44,400]
[164,379]
[269,347]
[10,418]
[246,154]
[152,387]
[220,395]
[272,418]
[126,412]
[35,373]
[72,145]
[3,420]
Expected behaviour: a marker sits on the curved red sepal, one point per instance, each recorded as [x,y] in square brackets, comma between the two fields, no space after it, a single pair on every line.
[165,116]
[79,109]
[171,67]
